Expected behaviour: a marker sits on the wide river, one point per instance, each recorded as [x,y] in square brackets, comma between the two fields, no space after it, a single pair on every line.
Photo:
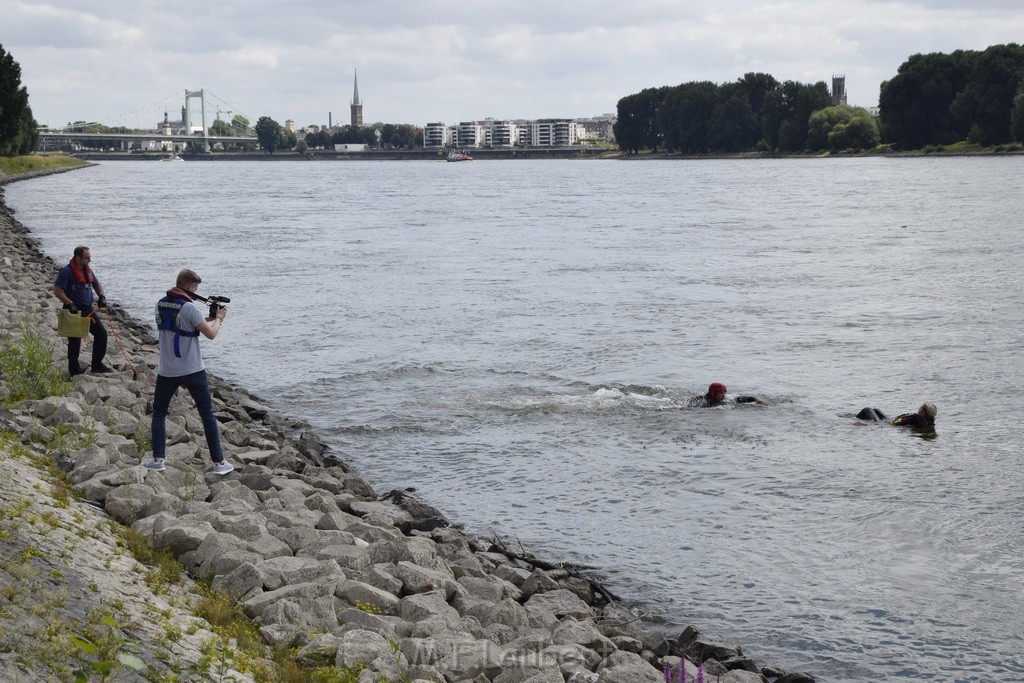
[517,340]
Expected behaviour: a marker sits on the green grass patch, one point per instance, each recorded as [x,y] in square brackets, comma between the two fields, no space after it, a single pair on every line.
[27,365]
[13,166]
[164,568]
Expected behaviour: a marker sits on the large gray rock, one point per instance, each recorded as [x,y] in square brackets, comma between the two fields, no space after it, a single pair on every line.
[627,667]
[509,613]
[255,607]
[321,651]
[312,615]
[471,659]
[357,593]
[538,582]
[268,546]
[417,579]
[616,620]
[185,535]
[572,632]
[67,412]
[482,588]
[127,504]
[562,603]
[353,619]
[245,527]
[425,606]
[571,659]
[239,583]
[379,576]
[696,647]
[212,547]
[279,571]
[361,647]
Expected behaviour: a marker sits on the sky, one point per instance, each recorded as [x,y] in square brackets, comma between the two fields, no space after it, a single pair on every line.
[126,62]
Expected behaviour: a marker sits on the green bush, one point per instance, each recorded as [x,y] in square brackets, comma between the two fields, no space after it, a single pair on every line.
[27,366]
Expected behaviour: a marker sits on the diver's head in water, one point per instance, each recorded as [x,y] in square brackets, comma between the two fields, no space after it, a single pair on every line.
[716,393]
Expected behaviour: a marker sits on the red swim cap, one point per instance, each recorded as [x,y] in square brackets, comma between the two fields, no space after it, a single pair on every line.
[716,387]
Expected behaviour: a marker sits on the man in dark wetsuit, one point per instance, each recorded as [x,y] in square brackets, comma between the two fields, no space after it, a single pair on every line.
[716,396]
[923,419]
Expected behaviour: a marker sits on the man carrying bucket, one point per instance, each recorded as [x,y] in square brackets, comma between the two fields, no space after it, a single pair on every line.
[74,287]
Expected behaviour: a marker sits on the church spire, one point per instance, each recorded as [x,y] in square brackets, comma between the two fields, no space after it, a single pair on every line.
[357,104]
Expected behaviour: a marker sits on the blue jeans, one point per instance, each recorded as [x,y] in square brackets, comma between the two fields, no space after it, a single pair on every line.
[200,389]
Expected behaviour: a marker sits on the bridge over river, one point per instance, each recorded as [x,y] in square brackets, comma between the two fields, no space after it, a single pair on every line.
[207,140]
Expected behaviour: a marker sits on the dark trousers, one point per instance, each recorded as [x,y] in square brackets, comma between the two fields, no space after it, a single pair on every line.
[99,345]
[198,386]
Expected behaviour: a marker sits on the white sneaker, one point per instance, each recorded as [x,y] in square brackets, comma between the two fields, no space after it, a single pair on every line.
[223,467]
[157,465]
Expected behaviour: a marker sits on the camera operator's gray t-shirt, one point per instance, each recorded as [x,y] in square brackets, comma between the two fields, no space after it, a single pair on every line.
[191,359]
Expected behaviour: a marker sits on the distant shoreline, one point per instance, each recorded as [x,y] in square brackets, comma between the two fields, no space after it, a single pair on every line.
[541,153]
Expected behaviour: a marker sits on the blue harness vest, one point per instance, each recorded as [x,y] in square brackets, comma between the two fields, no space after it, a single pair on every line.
[167,319]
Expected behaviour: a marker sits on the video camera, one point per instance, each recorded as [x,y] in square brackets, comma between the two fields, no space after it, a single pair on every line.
[216,302]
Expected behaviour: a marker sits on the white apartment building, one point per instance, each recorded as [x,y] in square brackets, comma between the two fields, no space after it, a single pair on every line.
[470,134]
[506,133]
[501,133]
[438,135]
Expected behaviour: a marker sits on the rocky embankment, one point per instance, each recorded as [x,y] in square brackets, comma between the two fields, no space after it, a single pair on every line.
[308,549]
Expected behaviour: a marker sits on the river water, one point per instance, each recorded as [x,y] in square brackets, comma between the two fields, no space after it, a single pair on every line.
[517,340]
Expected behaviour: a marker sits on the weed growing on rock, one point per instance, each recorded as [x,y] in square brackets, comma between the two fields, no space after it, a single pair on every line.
[227,619]
[69,438]
[101,651]
[141,438]
[28,368]
[164,568]
[367,607]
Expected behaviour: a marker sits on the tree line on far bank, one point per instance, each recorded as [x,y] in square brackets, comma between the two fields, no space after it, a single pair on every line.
[272,136]
[934,99]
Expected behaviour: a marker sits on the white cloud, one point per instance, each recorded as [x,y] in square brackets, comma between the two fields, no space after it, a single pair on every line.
[450,60]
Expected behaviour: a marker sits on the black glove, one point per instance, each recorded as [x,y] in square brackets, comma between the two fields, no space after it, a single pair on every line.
[71,308]
[101,301]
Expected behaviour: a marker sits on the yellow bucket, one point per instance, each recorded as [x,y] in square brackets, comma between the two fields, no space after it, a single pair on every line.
[71,324]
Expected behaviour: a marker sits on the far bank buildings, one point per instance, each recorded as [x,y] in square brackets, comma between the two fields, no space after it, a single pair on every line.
[506,133]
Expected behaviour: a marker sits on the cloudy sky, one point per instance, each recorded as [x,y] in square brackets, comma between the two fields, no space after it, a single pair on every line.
[124,62]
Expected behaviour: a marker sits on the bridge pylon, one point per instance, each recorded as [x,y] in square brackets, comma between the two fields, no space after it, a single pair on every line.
[201,94]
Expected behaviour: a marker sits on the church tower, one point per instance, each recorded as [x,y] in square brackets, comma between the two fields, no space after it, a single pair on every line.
[357,104]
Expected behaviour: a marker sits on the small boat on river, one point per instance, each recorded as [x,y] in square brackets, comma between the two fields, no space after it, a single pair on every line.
[459,155]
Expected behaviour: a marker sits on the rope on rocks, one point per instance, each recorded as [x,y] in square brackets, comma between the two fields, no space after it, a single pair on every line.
[117,340]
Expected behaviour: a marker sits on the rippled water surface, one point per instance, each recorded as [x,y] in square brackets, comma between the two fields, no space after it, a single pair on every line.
[518,339]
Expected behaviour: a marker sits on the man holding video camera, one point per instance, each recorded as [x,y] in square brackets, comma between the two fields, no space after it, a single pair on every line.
[180,323]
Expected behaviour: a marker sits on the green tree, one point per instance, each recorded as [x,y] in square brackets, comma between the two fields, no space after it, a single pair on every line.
[18,129]
[830,128]
[914,105]
[267,131]
[684,117]
[733,126]
[756,87]
[787,110]
[860,132]
[221,128]
[986,103]
[1017,116]
[320,140]
[240,124]
[635,126]
[286,139]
